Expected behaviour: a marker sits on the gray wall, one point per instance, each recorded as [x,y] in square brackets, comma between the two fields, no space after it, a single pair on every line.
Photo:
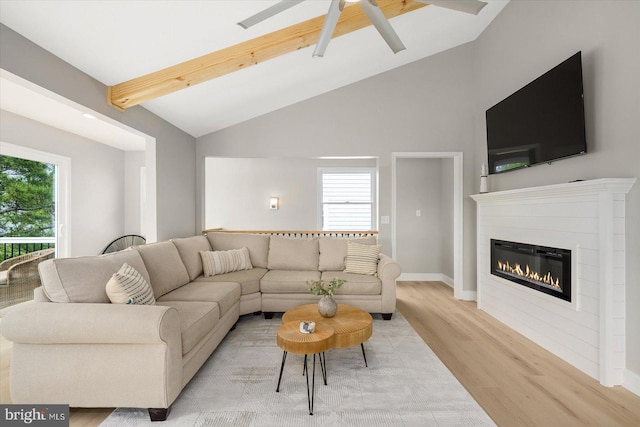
[96,209]
[423,106]
[175,149]
[418,238]
[530,37]
[237,192]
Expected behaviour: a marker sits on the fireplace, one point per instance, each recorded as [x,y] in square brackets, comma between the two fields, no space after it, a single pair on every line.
[541,268]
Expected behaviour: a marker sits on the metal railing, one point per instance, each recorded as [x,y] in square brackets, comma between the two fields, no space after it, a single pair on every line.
[13,246]
[299,233]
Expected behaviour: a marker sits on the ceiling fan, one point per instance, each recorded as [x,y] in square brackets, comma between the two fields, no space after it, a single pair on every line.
[370,8]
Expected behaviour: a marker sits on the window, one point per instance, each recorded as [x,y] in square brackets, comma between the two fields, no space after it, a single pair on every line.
[61,183]
[347,199]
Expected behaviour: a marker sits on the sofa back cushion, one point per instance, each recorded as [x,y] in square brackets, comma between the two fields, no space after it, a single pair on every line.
[293,254]
[258,245]
[333,251]
[189,249]
[83,279]
[166,269]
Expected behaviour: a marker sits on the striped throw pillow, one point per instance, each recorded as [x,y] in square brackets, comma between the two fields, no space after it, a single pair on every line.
[127,286]
[219,262]
[362,259]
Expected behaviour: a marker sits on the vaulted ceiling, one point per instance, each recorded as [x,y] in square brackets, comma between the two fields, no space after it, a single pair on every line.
[119,41]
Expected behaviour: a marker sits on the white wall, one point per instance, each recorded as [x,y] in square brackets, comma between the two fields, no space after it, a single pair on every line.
[237,192]
[134,161]
[446,205]
[97,180]
[527,39]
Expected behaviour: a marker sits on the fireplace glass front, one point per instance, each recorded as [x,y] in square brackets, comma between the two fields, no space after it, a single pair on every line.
[542,268]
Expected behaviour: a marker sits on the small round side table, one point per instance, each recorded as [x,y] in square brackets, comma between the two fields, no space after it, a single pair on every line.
[291,340]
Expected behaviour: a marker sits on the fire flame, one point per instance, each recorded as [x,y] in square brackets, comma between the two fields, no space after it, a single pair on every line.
[527,273]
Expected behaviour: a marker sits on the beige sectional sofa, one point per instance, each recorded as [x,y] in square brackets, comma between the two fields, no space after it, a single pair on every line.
[71,345]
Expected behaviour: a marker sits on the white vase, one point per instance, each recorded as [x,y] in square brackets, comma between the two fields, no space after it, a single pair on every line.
[327,306]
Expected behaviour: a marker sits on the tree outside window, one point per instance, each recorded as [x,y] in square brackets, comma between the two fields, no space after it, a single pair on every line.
[27,199]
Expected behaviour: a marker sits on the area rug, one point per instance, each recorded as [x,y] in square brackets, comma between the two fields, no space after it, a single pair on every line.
[405,384]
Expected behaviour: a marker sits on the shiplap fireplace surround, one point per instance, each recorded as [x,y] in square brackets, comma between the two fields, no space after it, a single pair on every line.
[588,218]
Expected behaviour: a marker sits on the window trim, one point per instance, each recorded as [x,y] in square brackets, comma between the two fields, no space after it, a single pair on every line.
[374,191]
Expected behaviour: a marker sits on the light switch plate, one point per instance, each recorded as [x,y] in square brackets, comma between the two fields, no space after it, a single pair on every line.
[384,219]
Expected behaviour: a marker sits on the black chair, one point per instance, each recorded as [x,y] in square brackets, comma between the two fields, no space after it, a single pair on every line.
[124,242]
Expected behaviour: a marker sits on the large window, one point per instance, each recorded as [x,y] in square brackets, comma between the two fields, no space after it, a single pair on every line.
[347,199]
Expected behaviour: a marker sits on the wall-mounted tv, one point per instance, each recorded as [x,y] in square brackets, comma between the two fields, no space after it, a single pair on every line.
[540,123]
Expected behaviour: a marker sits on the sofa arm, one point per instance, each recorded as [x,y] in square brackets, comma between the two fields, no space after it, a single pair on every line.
[388,272]
[80,323]
[388,269]
[94,355]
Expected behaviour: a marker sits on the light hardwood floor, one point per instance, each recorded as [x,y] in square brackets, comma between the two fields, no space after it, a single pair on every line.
[516,381]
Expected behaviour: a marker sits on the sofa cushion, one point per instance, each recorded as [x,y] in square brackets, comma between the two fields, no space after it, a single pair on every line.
[293,254]
[166,269]
[362,259]
[127,286]
[83,279]
[197,319]
[249,280]
[220,262]
[189,249]
[225,294]
[287,281]
[355,284]
[333,251]
[258,245]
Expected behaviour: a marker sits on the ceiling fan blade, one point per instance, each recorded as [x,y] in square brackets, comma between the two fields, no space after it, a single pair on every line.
[328,27]
[468,6]
[268,12]
[377,18]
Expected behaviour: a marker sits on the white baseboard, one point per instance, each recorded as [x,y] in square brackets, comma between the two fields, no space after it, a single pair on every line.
[425,277]
[446,279]
[631,381]
[437,277]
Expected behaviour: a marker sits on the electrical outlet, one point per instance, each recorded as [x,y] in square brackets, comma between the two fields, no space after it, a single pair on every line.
[418,212]
[384,220]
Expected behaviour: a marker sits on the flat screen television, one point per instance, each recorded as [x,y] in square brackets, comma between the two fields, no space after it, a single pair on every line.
[540,123]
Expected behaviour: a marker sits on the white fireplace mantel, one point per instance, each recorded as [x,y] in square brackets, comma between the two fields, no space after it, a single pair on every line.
[588,218]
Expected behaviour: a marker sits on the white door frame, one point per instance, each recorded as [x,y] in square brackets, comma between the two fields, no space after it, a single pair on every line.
[63,193]
[458,271]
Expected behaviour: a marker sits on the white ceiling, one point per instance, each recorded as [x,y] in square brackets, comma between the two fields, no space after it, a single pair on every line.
[29,100]
[115,41]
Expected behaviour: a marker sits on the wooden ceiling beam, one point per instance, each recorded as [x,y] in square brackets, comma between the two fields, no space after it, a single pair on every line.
[245,54]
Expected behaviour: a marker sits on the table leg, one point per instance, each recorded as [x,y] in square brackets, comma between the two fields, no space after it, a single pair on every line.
[323,366]
[313,385]
[284,359]
[364,355]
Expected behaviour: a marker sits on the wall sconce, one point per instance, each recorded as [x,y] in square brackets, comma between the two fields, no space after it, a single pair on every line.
[273,203]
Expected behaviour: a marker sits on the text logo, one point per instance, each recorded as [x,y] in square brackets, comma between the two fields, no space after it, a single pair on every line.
[34,415]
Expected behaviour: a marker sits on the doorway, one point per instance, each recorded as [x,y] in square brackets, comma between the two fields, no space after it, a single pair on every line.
[455,177]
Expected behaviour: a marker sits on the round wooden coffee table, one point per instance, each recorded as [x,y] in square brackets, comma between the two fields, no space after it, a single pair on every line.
[350,326]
